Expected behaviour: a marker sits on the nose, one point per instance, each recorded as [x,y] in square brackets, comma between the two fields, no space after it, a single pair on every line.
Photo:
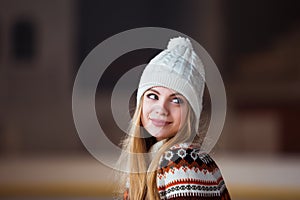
[161,108]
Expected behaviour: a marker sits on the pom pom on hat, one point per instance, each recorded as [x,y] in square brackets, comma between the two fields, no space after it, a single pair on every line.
[179,41]
[179,68]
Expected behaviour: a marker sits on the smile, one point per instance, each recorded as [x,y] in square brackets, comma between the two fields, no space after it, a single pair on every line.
[159,123]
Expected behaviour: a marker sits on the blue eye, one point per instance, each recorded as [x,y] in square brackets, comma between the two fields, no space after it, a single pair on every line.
[177,100]
[152,96]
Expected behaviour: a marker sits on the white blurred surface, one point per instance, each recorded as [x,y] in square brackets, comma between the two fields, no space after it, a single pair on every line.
[246,176]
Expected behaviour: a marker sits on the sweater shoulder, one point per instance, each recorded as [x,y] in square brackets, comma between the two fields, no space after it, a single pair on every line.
[186,171]
[189,155]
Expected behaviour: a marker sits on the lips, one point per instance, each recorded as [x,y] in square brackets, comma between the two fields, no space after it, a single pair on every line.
[159,122]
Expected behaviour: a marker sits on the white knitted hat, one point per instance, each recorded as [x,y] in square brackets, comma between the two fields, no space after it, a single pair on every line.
[179,68]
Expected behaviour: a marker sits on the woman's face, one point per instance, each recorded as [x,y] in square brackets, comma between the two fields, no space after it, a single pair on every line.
[164,111]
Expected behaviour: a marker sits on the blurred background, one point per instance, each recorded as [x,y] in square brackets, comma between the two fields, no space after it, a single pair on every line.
[255,45]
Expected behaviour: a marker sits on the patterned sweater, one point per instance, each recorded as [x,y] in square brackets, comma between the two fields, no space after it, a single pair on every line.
[187,173]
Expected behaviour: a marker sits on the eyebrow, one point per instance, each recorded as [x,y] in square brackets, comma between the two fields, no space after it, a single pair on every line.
[174,94]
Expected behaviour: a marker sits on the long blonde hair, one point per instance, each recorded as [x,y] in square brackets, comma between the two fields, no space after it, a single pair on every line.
[140,178]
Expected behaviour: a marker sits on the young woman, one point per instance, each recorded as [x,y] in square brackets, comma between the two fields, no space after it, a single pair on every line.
[162,152]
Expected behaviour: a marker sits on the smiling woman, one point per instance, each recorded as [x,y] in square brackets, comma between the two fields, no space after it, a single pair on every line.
[162,152]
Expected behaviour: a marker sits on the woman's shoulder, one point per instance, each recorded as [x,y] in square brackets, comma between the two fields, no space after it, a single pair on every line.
[188,155]
[187,171]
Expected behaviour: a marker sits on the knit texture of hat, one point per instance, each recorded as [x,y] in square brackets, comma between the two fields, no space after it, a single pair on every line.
[179,68]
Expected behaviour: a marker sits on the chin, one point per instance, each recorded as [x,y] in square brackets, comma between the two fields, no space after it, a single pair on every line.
[157,134]
[160,133]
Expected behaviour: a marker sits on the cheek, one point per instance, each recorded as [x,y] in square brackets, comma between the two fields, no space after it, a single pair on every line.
[145,113]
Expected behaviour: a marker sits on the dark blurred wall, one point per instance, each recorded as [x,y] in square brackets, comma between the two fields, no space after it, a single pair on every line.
[36,62]
[263,69]
[255,44]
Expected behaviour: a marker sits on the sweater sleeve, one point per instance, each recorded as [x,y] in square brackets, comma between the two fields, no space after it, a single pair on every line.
[187,173]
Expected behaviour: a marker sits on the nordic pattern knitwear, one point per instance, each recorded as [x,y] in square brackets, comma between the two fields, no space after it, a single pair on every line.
[179,68]
[187,173]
